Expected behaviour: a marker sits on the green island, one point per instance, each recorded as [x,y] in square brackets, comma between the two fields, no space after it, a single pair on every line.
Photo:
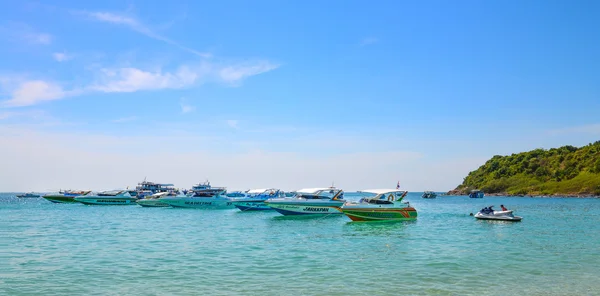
[564,171]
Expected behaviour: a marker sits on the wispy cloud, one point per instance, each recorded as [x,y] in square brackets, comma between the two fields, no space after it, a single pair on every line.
[130,79]
[235,73]
[31,92]
[233,123]
[593,129]
[369,41]
[125,119]
[137,26]
[186,107]
[61,56]
[25,33]
[133,79]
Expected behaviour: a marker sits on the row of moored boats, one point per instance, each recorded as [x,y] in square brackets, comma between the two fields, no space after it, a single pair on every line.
[376,205]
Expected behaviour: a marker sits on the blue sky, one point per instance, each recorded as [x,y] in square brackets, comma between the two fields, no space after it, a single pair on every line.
[289,94]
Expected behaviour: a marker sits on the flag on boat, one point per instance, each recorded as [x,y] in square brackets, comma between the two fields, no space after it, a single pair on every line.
[398,185]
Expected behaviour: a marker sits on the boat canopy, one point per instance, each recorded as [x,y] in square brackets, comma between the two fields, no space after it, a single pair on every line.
[383,191]
[314,190]
[253,191]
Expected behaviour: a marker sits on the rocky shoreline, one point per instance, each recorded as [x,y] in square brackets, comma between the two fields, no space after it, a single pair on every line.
[586,195]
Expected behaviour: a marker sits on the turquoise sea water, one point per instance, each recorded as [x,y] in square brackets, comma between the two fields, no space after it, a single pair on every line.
[73,249]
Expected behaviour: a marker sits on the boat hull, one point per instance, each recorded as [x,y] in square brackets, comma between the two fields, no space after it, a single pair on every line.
[199,203]
[252,206]
[367,214]
[107,201]
[307,208]
[152,203]
[499,216]
[60,198]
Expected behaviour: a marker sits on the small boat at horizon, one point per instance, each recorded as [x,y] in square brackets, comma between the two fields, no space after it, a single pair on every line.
[113,197]
[429,194]
[201,196]
[386,205]
[66,196]
[476,194]
[254,199]
[28,195]
[310,201]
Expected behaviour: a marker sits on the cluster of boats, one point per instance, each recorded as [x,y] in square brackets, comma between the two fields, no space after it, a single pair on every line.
[377,205]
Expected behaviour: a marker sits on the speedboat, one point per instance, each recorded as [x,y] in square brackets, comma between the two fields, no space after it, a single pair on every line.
[203,196]
[28,195]
[429,194]
[66,196]
[497,215]
[310,201]
[476,194]
[114,197]
[386,205]
[154,200]
[254,199]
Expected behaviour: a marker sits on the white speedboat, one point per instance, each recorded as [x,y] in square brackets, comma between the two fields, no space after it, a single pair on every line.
[254,199]
[310,201]
[201,196]
[498,215]
[154,200]
[115,197]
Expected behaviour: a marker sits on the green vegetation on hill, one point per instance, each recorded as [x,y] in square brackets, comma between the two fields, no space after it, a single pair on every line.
[566,170]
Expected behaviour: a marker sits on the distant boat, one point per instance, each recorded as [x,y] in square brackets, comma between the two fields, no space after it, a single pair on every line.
[65,196]
[28,195]
[254,199]
[310,201]
[386,205]
[429,194]
[146,188]
[476,194]
[114,197]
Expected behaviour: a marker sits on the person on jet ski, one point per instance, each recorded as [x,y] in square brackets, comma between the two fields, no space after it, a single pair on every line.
[503,208]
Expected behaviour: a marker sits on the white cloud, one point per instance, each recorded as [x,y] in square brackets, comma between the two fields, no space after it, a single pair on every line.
[233,123]
[593,129]
[61,56]
[38,38]
[32,92]
[139,27]
[125,119]
[234,73]
[133,79]
[186,107]
[369,41]
[25,33]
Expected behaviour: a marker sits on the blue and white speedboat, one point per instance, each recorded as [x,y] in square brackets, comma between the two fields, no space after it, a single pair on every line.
[310,201]
[254,199]
[202,196]
[476,194]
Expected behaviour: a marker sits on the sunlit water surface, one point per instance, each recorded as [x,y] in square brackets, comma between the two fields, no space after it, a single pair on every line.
[68,249]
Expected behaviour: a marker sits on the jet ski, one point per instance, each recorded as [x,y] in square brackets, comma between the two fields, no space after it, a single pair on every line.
[487,214]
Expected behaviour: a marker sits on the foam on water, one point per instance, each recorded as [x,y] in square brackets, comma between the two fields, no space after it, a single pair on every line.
[66,249]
